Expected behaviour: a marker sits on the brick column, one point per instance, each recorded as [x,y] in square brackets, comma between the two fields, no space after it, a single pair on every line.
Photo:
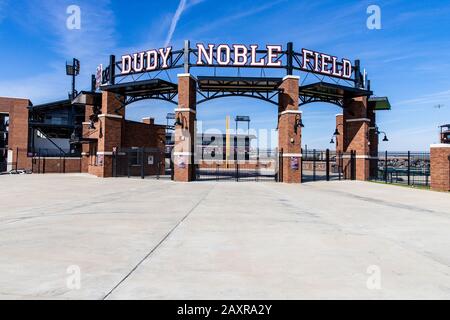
[341,162]
[289,134]
[110,132]
[440,167]
[340,138]
[87,133]
[356,123]
[17,109]
[185,133]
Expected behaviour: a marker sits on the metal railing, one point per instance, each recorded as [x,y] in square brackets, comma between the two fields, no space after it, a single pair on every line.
[327,165]
[257,165]
[408,168]
[139,162]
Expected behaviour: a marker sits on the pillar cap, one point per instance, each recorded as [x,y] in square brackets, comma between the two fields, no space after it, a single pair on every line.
[340,115]
[185,110]
[290,112]
[291,77]
[108,115]
[440,145]
[182,75]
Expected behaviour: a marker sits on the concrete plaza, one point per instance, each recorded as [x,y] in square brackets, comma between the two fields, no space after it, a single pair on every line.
[149,239]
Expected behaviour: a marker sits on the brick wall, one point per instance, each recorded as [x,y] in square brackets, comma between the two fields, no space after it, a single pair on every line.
[143,135]
[56,165]
[440,167]
[340,138]
[122,134]
[185,133]
[356,131]
[289,134]
[18,129]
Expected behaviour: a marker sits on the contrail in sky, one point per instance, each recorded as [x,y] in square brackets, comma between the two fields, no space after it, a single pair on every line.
[174,22]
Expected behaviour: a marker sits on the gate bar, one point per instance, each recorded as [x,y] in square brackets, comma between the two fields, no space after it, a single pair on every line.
[314,164]
[328,164]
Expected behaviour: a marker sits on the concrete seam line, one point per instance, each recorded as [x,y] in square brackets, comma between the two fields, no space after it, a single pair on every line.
[157,245]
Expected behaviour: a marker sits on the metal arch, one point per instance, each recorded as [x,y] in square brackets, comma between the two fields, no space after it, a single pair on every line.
[122,103]
[307,100]
[220,94]
[303,100]
[158,97]
[168,97]
[212,95]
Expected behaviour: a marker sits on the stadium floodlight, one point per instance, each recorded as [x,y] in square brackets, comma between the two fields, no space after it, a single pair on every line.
[73,70]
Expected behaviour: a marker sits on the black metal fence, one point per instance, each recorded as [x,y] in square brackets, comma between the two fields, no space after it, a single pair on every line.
[3,159]
[139,162]
[259,165]
[327,165]
[13,160]
[408,168]
[42,161]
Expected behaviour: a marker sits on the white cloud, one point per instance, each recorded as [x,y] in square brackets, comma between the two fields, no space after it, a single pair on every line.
[91,45]
[93,41]
[441,97]
[182,7]
[174,21]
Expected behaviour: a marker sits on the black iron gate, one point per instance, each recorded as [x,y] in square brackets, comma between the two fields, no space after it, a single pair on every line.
[168,163]
[3,159]
[255,165]
[139,162]
[327,165]
[409,168]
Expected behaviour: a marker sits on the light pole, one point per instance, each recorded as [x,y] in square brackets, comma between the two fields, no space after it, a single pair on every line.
[73,70]
[378,132]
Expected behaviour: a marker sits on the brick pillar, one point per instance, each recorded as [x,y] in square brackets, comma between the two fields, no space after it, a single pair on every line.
[17,109]
[356,123]
[440,167]
[185,133]
[87,133]
[289,134]
[110,132]
[340,138]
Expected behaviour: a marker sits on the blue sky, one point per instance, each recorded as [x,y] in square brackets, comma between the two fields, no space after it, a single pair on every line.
[407,60]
